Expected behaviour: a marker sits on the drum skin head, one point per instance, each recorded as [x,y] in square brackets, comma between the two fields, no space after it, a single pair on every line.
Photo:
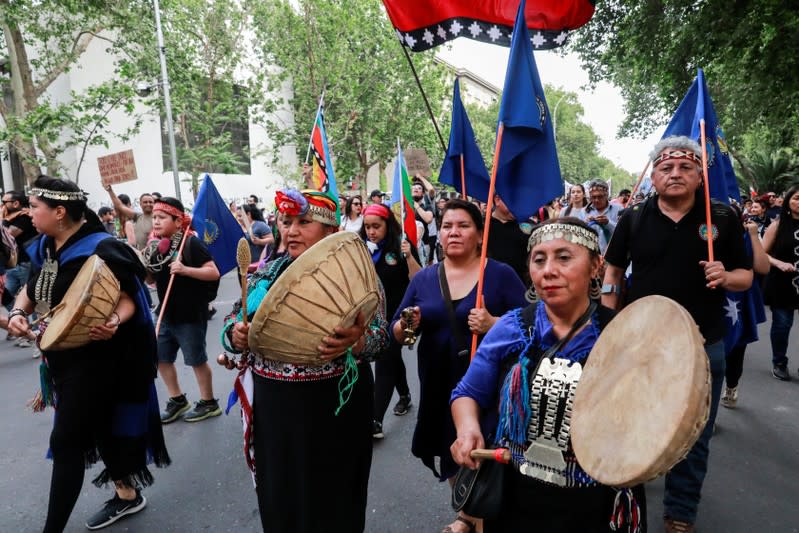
[89,301]
[324,288]
[644,396]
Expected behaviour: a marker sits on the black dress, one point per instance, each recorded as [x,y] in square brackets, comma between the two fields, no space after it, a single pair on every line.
[779,290]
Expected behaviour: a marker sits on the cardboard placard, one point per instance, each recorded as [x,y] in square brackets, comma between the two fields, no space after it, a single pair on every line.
[417,162]
[117,168]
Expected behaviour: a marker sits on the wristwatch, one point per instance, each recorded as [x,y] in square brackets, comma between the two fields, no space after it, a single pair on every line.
[611,289]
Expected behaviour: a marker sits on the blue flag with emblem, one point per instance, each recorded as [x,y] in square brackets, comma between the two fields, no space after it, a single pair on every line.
[744,310]
[528,171]
[463,143]
[216,226]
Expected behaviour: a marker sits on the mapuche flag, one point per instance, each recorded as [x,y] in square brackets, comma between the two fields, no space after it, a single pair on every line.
[528,171]
[324,178]
[462,143]
[401,199]
[423,25]
[216,226]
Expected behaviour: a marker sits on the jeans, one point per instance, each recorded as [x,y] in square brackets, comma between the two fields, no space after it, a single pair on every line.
[684,480]
[781,322]
[15,278]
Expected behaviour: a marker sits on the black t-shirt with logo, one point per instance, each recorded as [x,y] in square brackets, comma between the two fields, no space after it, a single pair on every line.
[189,299]
[24,223]
[665,257]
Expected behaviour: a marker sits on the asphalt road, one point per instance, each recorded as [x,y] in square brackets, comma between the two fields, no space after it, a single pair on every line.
[752,486]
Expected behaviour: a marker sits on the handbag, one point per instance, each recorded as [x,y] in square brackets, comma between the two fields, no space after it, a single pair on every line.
[479,492]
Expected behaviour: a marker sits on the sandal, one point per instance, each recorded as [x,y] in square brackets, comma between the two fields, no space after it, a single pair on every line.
[459,518]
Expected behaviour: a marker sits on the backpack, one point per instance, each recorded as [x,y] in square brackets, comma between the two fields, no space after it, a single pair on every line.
[8,248]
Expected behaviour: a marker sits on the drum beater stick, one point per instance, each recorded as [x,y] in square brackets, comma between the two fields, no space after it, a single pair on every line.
[171,281]
[243,259]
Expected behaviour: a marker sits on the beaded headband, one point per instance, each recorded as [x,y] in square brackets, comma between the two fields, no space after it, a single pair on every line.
[64,196]
[569,232]
[318,205]
[677,154]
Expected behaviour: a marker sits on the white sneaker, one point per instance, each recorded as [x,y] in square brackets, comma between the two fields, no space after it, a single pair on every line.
[730,397]
[23,343]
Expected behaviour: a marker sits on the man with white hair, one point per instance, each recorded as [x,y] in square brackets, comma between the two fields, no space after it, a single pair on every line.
[665,239]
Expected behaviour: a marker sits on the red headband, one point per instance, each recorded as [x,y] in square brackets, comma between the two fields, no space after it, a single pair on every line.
[378,210]
[677,154]
[185,220]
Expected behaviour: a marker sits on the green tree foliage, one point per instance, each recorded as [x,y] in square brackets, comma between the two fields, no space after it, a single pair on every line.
[349,50]
[769,170]
[749,52]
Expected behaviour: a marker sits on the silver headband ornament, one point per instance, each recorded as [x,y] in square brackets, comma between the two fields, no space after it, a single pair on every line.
[64,196]
[568,232]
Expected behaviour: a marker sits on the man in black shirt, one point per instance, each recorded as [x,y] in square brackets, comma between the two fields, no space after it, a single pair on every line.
[19,224]
[665,239]
[508,240]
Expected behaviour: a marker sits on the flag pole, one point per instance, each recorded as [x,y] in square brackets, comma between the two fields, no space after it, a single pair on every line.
[487,228]
[424,97]
[402,195]
[463,179]
[708,221]
[638,184]
[316,117]
[171,280]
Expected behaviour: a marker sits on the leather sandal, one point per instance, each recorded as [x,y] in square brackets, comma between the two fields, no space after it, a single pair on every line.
[459,518]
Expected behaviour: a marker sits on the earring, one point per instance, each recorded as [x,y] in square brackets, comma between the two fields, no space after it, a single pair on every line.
[595,289]
[530,295]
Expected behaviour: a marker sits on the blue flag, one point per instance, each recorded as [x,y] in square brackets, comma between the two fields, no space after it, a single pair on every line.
[528,172]
[695,106]
[463,143]
[743,310]
[216,226]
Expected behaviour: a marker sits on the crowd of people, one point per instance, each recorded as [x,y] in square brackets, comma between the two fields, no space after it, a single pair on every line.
[551,284]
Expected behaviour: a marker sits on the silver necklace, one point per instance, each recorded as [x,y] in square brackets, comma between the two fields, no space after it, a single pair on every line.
[43,292]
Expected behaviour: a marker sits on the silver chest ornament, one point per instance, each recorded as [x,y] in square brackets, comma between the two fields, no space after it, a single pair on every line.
[552,397]
[43,290]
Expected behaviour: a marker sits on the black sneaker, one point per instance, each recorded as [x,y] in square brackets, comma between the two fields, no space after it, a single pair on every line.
[781,372]
[202,410]
[116,508]
[403,405]
[211,312]
[174,408]
[377,430]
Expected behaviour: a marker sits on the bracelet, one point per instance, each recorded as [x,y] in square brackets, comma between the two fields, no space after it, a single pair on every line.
[119,320]
[17,312]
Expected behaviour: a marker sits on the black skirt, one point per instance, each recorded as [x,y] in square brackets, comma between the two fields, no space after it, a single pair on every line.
[312,467]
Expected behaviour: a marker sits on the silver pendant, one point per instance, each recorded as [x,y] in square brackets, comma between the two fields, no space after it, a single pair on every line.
[42,308]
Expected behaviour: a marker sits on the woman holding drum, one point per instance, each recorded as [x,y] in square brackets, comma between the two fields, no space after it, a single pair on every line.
[529,364]
[442,298]
[396,262]
[103,389]
[311,459]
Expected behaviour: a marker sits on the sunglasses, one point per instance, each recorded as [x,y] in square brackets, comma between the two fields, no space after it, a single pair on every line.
[356,203]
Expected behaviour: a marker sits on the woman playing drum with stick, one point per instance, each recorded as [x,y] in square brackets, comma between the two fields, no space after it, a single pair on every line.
[311,457]
[529,363]
[101,385]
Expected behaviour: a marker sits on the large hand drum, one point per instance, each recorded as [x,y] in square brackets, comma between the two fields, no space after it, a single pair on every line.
[325,287]
[644,396]
[89,302]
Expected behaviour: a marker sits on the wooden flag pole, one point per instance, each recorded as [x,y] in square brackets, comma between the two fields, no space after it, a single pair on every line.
[171,281]
[424,97]
[463,180]
[708,221]
[487,229]
[637,184]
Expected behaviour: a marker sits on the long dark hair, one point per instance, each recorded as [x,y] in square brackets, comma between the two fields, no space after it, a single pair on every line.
[76,210]
[393,235]
[348,206]
[784,238]
[254,212]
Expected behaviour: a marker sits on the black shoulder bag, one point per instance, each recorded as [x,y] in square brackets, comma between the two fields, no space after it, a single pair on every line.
[479,492]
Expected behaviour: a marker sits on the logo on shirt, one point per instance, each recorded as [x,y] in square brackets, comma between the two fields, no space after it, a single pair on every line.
[526,228]
[703,231]
[391,259]
[211,232]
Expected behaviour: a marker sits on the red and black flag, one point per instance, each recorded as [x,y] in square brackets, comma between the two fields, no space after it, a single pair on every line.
[424,24]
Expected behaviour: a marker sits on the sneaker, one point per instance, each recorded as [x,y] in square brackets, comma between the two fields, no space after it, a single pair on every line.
[781,372]
[116,508]
[202,410]
[211,312]
[730,397]
[403,405]
[23,343]
[377,430]
[37,353]
[174,408]
[677,526]
[10,337]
